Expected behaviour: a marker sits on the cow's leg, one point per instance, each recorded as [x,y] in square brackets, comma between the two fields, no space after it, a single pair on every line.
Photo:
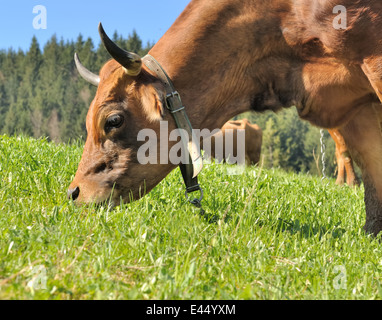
[340,167]
[339,158]
[364,139]
[351,178]
[248,161]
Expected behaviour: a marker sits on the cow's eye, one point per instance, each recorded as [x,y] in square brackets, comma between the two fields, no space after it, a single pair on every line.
[114,121]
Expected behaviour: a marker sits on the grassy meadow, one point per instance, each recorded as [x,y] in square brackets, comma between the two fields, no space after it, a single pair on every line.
[266,234]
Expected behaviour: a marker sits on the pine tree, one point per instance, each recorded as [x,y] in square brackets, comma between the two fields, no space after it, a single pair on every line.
[271,144]
[4,100]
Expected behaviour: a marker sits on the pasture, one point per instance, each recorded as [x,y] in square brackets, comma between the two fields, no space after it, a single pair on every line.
[266,234]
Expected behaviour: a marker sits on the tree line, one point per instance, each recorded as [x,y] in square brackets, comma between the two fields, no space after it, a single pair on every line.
[42,95]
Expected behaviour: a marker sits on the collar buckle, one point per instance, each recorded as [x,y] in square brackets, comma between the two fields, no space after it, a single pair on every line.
[170,104]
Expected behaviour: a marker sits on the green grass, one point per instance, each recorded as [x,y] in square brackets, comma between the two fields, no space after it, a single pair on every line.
[277,236]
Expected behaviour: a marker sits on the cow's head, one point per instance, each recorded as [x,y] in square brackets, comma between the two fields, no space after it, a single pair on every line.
[128,100]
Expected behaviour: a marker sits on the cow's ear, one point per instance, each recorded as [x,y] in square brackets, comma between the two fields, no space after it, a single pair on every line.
[152,102]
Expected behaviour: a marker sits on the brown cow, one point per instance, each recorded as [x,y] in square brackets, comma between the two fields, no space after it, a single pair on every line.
[252,145]
[344,160]
[231,56]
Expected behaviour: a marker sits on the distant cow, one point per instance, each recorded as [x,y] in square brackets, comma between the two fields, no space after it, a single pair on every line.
[344,160]
[253,141]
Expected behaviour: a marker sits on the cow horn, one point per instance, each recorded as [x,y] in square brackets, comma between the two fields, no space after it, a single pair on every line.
[129,60]
[85,73]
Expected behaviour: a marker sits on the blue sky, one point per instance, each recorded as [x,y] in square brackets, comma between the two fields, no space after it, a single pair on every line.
[68,18]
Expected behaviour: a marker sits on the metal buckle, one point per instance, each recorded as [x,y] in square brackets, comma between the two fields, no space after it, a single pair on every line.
[177,110]
[173,95]
[196,202]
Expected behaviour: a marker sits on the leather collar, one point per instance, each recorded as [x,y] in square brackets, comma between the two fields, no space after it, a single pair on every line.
[194,166]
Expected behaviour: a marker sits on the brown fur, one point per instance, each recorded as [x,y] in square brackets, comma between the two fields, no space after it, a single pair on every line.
[230,56]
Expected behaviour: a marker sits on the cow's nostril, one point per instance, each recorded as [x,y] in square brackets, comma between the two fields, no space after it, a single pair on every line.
[73,193]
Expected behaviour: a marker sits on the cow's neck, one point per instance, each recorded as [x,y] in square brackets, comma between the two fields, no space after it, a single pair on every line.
[208,54]
[228,57]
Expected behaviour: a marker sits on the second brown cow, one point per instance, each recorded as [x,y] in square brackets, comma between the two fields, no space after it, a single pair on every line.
[253,141]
